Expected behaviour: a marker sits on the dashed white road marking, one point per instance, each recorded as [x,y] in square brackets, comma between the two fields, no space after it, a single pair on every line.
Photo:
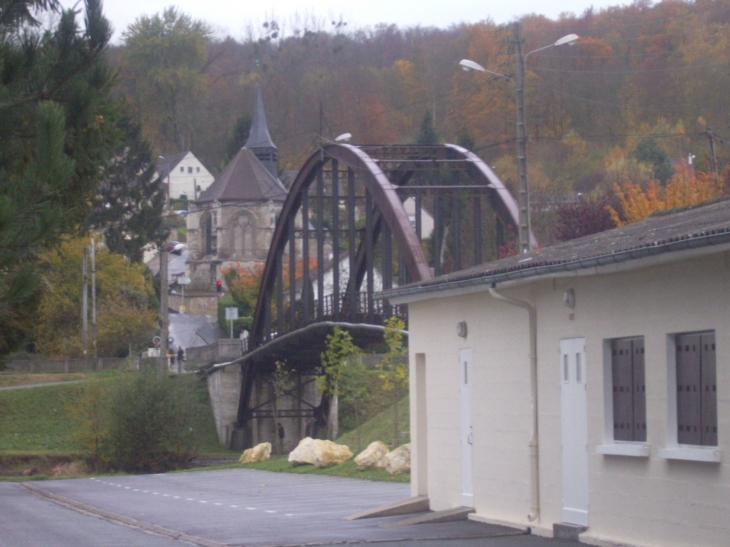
[219,504]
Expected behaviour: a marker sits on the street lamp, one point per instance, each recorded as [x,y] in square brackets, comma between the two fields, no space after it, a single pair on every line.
[525,228]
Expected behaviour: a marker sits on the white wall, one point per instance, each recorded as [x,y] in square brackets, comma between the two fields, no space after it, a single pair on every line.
[183,181]
[634,500]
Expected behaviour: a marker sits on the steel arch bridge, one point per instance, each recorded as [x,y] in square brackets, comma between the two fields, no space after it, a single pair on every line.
[357,220]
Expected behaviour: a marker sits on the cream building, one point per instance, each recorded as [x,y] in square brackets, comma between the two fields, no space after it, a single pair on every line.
[582,389]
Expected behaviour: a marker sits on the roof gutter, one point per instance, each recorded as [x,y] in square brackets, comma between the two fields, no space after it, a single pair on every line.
[573,265]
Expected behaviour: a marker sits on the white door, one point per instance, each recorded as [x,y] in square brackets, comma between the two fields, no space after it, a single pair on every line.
[467,427]
[574,431]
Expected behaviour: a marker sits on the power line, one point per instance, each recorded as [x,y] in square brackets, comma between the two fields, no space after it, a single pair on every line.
[631,71]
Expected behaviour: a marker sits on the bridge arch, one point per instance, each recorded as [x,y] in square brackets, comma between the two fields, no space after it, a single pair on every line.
[321,225]
[354,222]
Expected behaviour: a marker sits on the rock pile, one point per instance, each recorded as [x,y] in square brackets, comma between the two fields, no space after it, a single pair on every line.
[259,453]
[373,457]
[319,453]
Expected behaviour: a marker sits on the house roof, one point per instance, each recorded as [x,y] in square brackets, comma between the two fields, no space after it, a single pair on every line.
[664,232]
[168,163]
[244,179]
[259,136]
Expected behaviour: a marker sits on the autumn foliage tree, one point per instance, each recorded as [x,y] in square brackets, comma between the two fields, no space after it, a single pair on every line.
[683,189]
[394,366]
[586,216]
[126,306]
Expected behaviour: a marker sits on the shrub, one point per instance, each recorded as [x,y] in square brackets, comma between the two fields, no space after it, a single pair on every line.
[150,423]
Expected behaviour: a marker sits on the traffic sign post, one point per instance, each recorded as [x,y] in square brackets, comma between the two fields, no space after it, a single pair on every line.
[231,314]
[182,281]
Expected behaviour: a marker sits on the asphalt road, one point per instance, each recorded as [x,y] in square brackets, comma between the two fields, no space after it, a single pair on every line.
[29,521]
[234,507]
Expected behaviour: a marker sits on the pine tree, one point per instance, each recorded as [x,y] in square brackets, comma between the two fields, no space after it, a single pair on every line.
[428,134]
[55,137]
[128,208]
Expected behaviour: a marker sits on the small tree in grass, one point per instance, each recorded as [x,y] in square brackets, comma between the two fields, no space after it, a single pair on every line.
[340,348]
[393,367]
[89,411]
[354,389]
[154,422]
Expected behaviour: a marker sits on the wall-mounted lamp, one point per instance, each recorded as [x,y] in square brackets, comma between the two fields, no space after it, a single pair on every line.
[569,298]
[461,329]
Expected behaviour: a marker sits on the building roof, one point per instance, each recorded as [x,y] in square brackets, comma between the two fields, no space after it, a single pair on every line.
[664,232]
[259,136]
[168,163]
[244,179]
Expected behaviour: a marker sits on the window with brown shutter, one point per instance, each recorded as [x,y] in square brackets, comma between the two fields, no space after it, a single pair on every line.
[696,389]
[629,389]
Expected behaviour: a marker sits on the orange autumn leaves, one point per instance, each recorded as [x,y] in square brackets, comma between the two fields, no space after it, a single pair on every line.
[683,189]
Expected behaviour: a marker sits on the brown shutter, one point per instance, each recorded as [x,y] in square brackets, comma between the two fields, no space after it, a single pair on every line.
[688,389]
[623,418]
[709,390]
[639,393]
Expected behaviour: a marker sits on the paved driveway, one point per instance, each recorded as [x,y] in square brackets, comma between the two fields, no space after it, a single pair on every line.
[243,507]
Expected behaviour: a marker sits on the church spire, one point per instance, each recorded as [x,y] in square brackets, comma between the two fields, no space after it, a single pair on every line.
[259,141]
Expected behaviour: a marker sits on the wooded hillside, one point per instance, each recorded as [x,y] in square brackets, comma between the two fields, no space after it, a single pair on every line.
[645,70]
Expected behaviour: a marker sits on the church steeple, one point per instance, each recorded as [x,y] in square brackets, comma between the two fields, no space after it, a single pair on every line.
[259,141]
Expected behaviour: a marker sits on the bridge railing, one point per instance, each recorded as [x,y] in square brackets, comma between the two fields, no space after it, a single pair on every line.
[364,310]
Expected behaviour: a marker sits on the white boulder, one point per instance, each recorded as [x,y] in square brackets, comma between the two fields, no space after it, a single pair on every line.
[259,453]
[399,460]
[319,453]
[373,457]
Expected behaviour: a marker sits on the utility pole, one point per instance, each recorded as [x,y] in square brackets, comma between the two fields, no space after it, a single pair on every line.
[523,185]
[164,318]
[92,248]
[713,154]
[84,305]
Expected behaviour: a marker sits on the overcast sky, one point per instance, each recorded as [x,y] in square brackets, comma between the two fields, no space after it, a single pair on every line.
[233,16]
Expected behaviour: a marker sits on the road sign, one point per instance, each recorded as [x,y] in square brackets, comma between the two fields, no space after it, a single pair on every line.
[231,313]
[183,280]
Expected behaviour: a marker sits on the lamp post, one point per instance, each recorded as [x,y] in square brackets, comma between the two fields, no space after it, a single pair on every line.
[523,198]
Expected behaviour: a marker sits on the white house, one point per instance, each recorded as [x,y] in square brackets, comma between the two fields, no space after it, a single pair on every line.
[582,388]
[183,174]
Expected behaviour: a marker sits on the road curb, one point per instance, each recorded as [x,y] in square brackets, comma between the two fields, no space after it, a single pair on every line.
[119,519]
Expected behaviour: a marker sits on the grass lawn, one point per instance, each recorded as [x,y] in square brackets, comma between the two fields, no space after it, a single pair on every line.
[380,428]
[348,469]
[37,420]
[36,429]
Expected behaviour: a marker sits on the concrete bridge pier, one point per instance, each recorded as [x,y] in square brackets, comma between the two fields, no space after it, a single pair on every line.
[298,410]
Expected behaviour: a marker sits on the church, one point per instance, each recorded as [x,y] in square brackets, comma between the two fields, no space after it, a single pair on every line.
[232,221]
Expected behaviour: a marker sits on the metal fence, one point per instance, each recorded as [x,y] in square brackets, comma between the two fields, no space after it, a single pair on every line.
[45,366]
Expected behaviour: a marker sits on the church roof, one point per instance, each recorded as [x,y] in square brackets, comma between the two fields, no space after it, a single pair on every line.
[259,136]
[244,179]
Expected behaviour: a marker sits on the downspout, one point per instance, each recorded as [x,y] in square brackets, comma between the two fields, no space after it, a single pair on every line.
[534,514]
